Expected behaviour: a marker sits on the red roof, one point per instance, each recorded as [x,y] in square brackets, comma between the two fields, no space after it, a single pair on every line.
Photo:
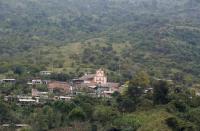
[59,85]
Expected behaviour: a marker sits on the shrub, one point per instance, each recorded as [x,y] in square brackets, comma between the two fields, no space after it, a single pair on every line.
[127,122]
[104,113]
[77,114]
[179,125]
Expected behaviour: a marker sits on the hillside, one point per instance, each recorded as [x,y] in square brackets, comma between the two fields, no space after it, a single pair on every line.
[100,65]
[162,37]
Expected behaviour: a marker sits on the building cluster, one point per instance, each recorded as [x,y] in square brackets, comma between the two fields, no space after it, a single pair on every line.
[96,85]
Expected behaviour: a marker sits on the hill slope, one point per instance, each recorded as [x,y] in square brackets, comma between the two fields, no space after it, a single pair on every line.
[161,36]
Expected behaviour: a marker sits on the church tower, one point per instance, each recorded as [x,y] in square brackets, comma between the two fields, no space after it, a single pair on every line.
[100,77]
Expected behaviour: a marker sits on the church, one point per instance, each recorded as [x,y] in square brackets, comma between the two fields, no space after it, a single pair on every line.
[94,81]
[98,78]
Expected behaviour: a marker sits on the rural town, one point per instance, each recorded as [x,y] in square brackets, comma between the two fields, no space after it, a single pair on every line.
[95,85]
[99,65]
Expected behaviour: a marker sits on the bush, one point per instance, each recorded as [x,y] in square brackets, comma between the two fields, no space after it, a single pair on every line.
[160,94]
[126,105]
[77,114]
[127,122]
[179,125]
[104,113]
[145,104]
[193,116]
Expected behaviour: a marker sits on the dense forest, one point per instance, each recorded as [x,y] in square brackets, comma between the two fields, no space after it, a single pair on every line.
[136,41]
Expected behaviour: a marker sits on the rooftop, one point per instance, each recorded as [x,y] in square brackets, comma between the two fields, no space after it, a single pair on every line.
[59,85]
[86,77]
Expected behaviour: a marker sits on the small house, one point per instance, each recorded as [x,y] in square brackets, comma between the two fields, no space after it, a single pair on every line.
[11,81]
[38,82]
[45,73]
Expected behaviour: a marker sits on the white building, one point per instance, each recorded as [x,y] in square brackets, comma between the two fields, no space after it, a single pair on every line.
[45,72]
[8,81]
[38,82]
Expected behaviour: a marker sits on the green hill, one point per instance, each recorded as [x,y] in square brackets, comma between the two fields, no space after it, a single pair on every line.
[159,36]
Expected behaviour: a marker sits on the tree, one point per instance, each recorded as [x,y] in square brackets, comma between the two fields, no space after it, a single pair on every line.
[60,76]
[160,93]
[77,114]
[4,112]
[63,107]
[39,121]
[42,87]
[142,79]
[127,122]
[193,116]
[87,108]
[178,77]
[180,125]
[18,69]
[136,85]
[126,105]
[134,91]
[53,117]
[7,88]
[104,113]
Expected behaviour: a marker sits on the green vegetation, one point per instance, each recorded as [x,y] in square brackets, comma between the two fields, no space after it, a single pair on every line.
[138,42]
[155,35]
[166,108]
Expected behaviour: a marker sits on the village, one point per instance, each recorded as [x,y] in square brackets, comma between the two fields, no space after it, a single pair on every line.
[94,85]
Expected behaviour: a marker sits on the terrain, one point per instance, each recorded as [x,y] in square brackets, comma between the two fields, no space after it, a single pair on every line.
[140,43]
[159,36]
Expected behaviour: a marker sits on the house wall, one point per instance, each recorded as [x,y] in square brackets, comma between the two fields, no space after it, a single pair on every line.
[89,81]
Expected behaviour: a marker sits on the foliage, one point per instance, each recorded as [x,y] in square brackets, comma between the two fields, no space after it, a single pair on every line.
[4,113]
[127,122]
[77,114]
[136,41]
[126,104]
[159,38]
[177,124]
[193,115]
[160,95]
[141,79]
[104,113]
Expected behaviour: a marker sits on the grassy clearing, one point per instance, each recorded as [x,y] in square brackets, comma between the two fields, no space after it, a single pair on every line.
[63,53]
